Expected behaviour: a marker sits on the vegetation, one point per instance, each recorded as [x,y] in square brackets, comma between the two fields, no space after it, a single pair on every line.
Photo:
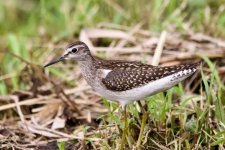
[30,30]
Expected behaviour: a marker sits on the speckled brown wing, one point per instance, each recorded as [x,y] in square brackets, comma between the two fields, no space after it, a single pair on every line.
[125,79]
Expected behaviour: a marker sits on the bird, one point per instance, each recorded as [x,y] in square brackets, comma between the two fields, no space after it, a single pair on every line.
[124,81]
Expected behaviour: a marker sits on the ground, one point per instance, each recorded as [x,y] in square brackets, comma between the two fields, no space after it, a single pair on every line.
[54,108]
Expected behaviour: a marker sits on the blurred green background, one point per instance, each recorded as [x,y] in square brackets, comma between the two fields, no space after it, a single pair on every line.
[29,28]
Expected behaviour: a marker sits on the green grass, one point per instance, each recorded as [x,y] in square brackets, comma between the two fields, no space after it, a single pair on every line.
[61,145]
[29,28]
[203,129]
[177,125]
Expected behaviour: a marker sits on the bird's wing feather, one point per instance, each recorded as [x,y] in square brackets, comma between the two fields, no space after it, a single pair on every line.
[125,79]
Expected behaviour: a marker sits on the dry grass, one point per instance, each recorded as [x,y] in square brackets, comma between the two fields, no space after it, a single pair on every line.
[52,111]
[56,109]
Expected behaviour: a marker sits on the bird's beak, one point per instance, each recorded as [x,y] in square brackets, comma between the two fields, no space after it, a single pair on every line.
[54,61]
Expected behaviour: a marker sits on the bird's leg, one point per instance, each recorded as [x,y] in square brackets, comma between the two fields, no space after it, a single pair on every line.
[143,123]
[124,129]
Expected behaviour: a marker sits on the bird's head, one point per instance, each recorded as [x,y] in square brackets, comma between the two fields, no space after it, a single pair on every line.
[78,51]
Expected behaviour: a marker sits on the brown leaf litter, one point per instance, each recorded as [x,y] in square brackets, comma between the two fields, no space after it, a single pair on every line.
[51,112]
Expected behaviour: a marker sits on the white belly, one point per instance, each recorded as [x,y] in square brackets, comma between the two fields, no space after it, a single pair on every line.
[139,93]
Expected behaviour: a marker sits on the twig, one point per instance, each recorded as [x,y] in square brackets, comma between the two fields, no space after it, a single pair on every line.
[39,99]
[71,103]
[15,98]
[160,146]
[159,48]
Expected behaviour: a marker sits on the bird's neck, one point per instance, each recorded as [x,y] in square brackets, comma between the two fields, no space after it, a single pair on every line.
[87,62]
[88,69]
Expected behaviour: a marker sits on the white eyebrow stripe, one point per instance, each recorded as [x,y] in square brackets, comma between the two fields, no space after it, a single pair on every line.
[77,46]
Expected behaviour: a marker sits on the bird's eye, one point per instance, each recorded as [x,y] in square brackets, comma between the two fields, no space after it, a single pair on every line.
[74,50]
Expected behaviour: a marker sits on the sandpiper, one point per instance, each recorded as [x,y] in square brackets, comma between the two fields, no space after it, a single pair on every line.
[124,81]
